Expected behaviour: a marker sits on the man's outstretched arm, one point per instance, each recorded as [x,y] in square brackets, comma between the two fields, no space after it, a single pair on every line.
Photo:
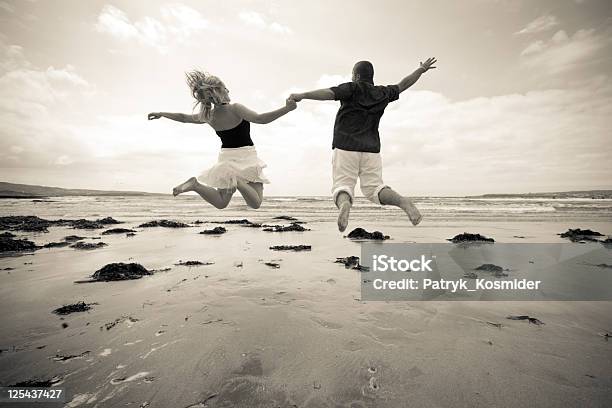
[412,78]
[325,94]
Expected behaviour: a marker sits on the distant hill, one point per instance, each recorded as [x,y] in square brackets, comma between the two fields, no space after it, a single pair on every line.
[593,194]
[10,190]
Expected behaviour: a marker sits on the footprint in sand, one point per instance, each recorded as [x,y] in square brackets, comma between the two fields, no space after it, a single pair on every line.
[66,358]
[327,325]
[154,349]
[252,366]
[203,403]
[353,345]
[373,384]
[138,376]
[159,333]
[415,372]
[80,399]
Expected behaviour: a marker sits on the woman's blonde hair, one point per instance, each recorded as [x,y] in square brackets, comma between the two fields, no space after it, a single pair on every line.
[207,90]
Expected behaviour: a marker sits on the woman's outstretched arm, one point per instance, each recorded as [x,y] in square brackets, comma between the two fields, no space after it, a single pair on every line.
[179,117]
[263,118]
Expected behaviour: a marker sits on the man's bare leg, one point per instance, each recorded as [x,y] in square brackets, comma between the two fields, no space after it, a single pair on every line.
[389,197]
[344,203]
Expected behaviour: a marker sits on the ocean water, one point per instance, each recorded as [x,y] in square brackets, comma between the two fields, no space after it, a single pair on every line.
[189,208]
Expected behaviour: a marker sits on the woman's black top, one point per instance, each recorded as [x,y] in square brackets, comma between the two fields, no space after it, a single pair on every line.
[238,136]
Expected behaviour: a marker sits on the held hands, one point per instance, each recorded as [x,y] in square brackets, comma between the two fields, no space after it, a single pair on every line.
[296,97]
[290,104]
[428,64]
[153,115]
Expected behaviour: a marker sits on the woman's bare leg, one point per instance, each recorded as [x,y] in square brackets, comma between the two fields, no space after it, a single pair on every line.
[184,187]
[219,198]
[252,193]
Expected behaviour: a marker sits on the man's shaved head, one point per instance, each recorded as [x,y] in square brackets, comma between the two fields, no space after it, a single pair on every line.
[363,71]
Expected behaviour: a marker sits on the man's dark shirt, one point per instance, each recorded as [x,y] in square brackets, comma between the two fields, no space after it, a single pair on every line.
[362,106]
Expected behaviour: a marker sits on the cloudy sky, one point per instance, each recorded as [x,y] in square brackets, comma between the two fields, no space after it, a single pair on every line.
[521,101]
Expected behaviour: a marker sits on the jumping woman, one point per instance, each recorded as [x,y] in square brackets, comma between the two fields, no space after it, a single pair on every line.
[238,167]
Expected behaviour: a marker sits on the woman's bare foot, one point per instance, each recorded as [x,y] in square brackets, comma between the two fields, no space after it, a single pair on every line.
[183,188]
[413,213]
[343,216]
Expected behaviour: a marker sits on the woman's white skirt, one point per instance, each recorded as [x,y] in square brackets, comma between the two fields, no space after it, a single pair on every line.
[233,164]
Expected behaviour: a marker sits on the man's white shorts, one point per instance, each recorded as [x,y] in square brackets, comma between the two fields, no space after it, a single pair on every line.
[347,166]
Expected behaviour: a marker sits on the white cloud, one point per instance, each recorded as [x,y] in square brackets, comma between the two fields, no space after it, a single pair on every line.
[531,141]
[256,19]
[180,24]
[280,28]
[33,133]
[148,31]
[542,23]
[253,18]
[36,86]
[534,48]
[7,7]
[185,20]
[115,22]
[11,57]
[563,52]
[64,160]
[67,74]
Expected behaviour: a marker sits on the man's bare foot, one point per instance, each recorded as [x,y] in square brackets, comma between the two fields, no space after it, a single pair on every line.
[413,213]
[183,188]
[343,216]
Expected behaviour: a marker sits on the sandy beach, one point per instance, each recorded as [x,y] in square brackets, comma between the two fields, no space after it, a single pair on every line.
[241,333]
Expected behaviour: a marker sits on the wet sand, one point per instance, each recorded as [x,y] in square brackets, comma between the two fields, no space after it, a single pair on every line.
[242,333]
